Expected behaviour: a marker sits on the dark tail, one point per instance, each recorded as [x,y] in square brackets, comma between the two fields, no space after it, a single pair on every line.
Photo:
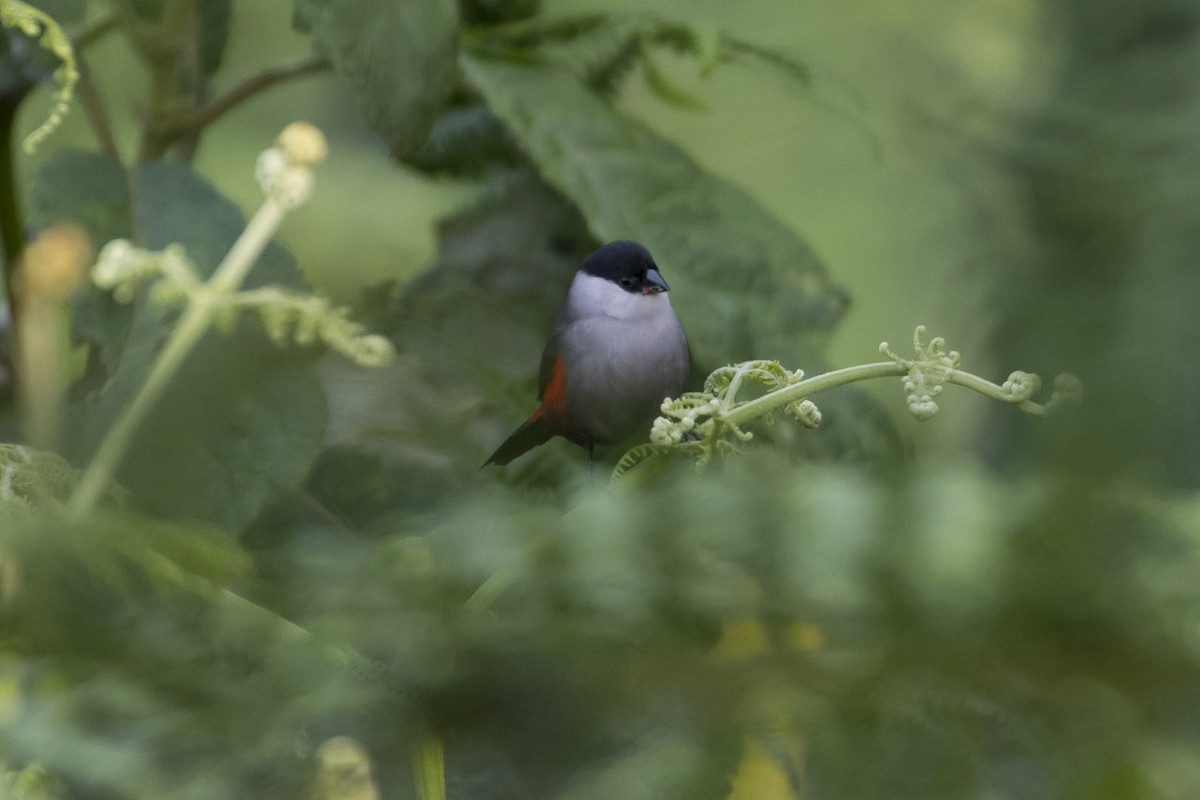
[534,431]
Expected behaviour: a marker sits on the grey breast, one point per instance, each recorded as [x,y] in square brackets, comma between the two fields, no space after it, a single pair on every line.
[618,375]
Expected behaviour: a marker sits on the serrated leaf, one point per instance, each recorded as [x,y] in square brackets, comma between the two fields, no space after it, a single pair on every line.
[734,267]
[399,58]
[242,420]
[30,477]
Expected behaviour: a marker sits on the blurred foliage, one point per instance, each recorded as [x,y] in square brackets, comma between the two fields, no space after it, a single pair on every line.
[305,587]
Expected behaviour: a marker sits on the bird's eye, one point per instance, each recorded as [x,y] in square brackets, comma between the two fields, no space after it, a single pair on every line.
[626,283]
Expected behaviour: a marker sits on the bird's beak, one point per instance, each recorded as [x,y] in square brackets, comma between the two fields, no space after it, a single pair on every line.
[654,283]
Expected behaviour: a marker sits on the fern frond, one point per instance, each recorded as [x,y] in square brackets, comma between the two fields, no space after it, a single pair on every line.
[635,457]
[35,479]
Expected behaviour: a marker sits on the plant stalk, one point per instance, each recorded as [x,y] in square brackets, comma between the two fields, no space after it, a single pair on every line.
[194,323]
[429,768]
[810,386]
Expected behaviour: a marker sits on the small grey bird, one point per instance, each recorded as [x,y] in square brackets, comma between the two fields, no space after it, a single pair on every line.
[616,351]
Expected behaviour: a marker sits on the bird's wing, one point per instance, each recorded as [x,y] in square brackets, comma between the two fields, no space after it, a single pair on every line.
[549,362]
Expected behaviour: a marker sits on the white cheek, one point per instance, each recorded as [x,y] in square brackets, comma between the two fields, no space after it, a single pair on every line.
[592,296]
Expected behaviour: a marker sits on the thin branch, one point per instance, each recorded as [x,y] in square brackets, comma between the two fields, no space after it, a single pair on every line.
[325,513]
[93,108]
[250,87]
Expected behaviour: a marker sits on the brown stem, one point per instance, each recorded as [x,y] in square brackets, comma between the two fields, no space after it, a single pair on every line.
[93,108]
[252,86]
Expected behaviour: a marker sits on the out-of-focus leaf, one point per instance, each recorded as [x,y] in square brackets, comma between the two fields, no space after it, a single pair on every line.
[148,9]
[64,12]
[600,49]
[33,477]
[745,283]
[91,189]
[152,661]
[494,12]
[88,188]
[23,63]
[241,423]
[121,548]
[242,419]
[663,766]
[663,87]
[399,58]
[176,205]
[466,140]
[216,17]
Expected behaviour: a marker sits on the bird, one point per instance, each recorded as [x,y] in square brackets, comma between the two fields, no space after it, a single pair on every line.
[615,352]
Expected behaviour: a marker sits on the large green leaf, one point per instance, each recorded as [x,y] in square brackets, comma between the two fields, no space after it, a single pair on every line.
[92,190]
[88,188]
[242,420]
[399,58]
[746,284]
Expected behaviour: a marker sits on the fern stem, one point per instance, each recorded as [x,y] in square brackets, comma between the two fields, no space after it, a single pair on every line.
[994,391]
[194,323]
[809,386]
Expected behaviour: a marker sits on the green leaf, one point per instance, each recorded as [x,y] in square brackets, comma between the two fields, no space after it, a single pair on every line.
[119,548]
[216,17]
[174,205]
[23,63]
[90,189]
[33,477]
[663,87]
[64,12]
[148,9]
[241,423]
[664,765]
[466,140]
[87,188]
[399,58]
[495,12]
[600,49]
[735,270]
[243,420]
